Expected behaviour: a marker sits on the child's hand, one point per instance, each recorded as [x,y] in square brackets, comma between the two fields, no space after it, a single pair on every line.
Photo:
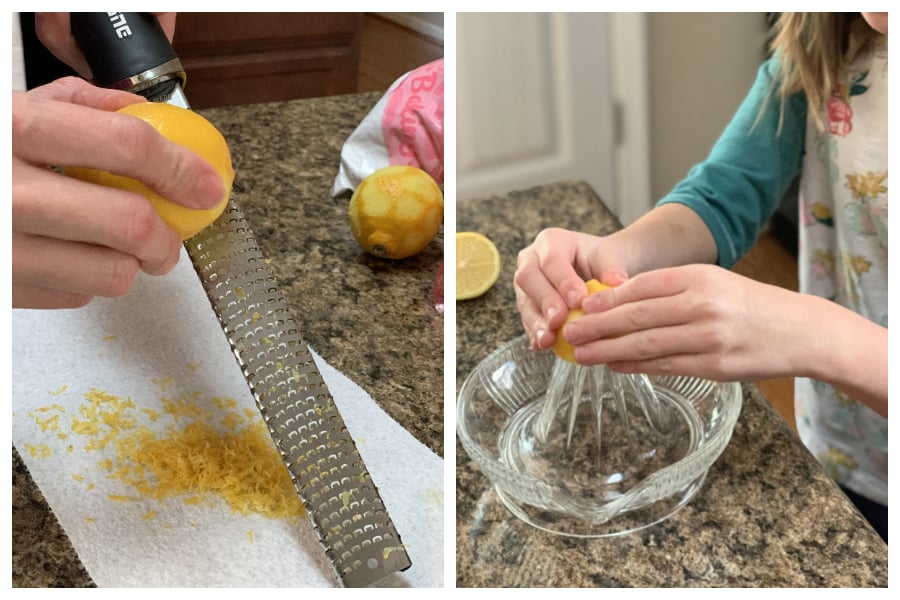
[550,278]
[698,320]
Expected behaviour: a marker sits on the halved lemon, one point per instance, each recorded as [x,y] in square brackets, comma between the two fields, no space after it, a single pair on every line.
[477,264]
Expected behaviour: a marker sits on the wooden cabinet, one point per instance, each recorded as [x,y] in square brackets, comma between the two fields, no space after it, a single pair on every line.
[242,58]
[392,46]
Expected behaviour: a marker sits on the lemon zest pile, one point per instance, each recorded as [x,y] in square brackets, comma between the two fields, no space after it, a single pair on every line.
[199,455]
[241,467]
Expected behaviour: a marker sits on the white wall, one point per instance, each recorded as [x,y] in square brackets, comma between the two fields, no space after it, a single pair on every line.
[701,67]
[697,67]
[533,102]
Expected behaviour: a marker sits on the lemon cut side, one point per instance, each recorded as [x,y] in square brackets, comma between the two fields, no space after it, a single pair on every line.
[477,265]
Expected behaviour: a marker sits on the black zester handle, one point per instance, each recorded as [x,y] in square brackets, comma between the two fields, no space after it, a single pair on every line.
[128,51]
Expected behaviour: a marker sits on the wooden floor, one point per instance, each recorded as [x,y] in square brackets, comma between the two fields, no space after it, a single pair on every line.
[768,261]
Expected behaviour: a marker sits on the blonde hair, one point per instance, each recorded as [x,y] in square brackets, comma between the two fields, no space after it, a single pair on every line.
[812,50]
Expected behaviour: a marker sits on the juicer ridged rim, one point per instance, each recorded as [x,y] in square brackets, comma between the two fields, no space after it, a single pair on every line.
[686,470]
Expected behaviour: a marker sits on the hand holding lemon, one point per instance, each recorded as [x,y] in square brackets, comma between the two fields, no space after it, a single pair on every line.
[73,240]
[185,128]
[561,346]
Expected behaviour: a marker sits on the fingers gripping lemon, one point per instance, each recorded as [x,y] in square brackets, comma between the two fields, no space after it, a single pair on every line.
[564,349]
[188,129]
[396,211]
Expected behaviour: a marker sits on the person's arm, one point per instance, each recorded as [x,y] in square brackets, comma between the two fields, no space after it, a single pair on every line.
[853,358]
[740,184]
[671,234]
[706,321]
[713,215]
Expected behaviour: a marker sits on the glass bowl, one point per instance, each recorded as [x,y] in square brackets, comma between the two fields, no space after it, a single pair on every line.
[588,452]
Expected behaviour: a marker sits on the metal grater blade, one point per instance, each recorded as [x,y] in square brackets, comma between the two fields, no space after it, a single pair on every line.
[342,502]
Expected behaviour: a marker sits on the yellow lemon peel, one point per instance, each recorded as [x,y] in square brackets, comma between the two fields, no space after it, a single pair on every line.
[186,128]
[396,211]
[563,348]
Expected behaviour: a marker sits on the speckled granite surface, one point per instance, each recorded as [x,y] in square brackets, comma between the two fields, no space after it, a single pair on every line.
[766,516]
[372,319]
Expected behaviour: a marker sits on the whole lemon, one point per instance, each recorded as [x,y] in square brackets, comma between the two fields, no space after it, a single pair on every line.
[189,129]
[396,211]
[561,347]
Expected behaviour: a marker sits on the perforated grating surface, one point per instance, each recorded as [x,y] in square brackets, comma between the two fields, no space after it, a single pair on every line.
[337,491]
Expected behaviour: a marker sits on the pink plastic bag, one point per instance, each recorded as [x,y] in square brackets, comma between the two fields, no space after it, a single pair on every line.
[406,127]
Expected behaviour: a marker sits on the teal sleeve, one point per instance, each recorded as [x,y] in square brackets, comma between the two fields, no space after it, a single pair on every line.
[741,183]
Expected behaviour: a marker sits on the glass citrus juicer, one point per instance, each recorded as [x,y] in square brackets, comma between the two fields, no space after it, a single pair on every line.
[586,451]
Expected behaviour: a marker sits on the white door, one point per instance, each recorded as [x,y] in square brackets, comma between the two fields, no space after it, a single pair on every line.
[537,103]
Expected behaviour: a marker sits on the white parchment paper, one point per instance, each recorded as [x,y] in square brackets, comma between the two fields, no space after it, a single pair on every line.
[162,341]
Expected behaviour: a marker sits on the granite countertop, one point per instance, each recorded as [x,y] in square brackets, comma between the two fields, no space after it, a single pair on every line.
[372,319]
[766,516]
